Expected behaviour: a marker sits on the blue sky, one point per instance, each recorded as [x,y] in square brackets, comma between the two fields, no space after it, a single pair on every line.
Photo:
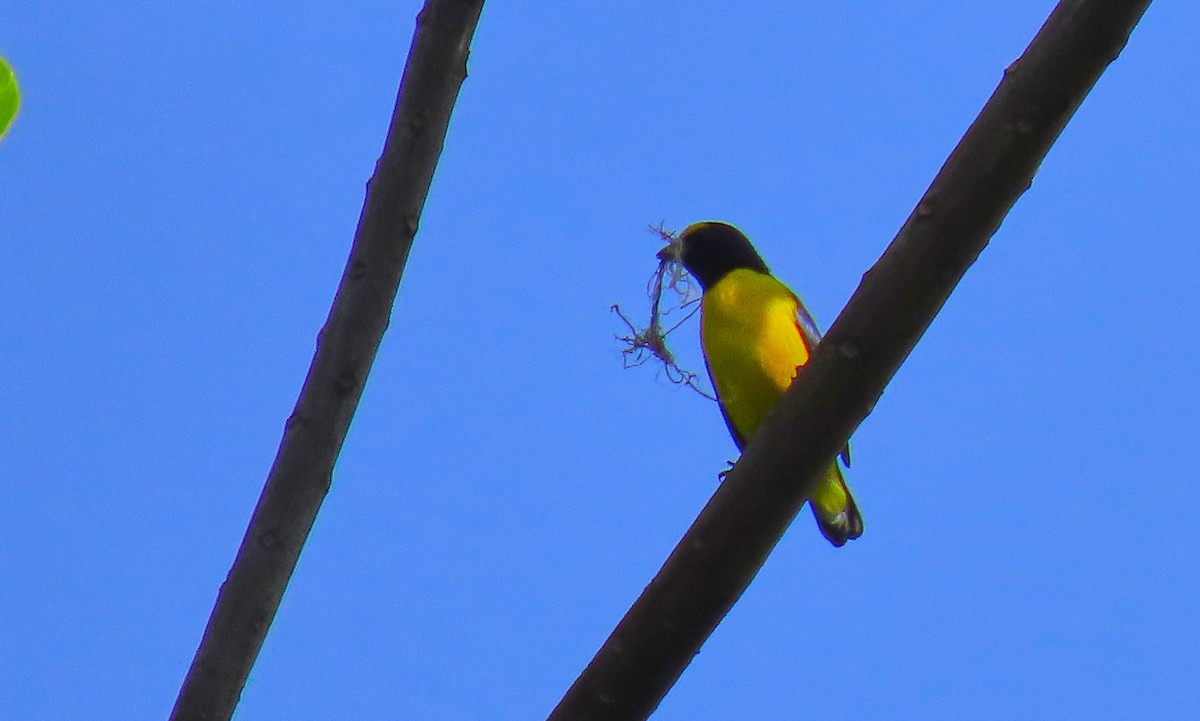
[179,194]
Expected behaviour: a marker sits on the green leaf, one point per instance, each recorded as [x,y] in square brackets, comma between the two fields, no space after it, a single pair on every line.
[10,99]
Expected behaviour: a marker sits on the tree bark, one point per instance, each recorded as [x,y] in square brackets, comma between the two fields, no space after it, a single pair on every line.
[346,348]
[897,300]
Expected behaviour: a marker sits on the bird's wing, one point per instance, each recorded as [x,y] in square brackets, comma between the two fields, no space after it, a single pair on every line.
[808,326]
[812,336]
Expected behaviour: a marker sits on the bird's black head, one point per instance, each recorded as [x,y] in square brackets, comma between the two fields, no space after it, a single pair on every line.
[712,250]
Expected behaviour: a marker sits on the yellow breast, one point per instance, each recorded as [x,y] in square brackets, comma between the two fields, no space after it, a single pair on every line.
[751,344]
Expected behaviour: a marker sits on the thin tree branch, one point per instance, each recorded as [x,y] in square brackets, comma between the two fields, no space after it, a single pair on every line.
[346,348]
[898,298]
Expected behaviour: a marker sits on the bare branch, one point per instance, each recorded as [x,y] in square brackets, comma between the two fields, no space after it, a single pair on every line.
[897,300]
[346,348]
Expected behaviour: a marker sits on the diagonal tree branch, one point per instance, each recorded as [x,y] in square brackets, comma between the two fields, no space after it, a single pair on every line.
[897,300]
[346,348]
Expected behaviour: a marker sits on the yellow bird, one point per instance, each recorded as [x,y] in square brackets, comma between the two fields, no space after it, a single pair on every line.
[756,334]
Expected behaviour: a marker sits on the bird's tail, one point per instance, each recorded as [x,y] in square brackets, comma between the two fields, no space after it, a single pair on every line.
[835,510]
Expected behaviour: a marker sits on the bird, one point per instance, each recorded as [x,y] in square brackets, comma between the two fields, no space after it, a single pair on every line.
[756,334]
